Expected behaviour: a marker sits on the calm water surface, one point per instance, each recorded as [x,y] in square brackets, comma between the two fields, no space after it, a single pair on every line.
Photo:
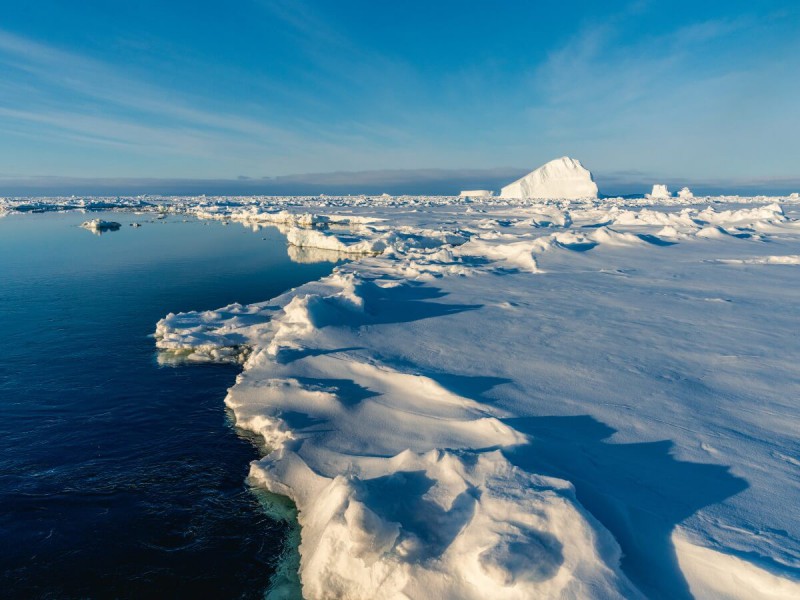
[120,477]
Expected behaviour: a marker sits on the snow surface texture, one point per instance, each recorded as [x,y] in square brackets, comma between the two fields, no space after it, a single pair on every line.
[563,178]
[523,399]
[518,398]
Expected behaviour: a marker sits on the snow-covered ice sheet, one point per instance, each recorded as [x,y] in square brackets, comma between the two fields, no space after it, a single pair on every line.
[503,398]
[515,399]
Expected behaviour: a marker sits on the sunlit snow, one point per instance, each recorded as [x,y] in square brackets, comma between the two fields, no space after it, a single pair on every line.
[519,398]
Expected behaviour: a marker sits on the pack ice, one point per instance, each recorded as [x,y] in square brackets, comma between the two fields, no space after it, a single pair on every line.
[563,178]
[526,398]
[518,398]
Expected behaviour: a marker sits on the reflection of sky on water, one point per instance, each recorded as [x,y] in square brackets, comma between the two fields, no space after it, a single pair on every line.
[122,477]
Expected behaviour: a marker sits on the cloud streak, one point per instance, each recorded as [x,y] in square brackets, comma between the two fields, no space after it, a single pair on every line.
[307,87]
[67,96]
[695,99]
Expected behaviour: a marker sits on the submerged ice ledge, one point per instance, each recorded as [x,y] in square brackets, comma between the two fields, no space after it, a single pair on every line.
[375,390]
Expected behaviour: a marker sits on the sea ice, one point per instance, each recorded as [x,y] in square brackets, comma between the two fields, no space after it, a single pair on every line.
[516,398]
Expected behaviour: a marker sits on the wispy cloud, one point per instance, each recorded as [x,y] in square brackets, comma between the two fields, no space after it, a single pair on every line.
[602,73]
[77,98]
[676,101]
[93,81]
[321,91]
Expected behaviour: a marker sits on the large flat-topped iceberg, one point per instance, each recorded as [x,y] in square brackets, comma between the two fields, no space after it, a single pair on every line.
[564,178]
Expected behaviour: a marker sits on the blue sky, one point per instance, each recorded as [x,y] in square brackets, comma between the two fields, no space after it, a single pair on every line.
[696,92]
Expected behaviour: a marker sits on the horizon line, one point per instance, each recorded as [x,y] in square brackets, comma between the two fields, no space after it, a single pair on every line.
[426,181]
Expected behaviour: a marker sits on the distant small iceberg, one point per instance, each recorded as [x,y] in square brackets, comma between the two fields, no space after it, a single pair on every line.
[99,226]
[476,194]
[660,192]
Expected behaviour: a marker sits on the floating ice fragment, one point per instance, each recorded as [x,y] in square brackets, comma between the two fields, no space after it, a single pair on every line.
[98,225]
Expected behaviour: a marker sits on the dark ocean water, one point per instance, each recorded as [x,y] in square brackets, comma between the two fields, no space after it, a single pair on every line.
[120,477]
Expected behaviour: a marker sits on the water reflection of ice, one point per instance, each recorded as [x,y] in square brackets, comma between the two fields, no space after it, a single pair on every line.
[314,255]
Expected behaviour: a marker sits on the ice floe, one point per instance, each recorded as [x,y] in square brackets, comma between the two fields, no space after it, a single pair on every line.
[98,225]
[516,398]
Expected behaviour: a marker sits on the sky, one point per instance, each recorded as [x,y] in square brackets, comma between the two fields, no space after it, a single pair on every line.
[260,96]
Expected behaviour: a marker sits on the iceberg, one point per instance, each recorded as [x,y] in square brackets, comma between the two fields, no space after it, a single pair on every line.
[685,194]
[475,194]
[659,192]
[564,178]
[98,225]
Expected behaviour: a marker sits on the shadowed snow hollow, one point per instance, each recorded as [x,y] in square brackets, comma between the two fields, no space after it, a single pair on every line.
[564,178]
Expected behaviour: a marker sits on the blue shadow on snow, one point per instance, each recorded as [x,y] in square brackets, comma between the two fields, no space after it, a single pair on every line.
[638,491]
